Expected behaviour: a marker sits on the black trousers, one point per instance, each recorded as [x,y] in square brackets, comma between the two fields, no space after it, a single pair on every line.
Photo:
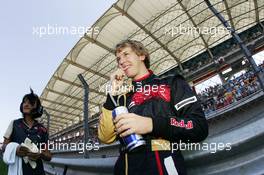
[146,162]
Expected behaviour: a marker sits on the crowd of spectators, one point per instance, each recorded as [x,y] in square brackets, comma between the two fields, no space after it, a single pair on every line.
[219,96]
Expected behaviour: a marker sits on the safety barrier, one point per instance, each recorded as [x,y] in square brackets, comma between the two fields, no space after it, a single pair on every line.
[240,127]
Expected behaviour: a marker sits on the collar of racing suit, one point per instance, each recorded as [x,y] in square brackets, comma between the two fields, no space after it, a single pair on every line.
[144,80]
[150,72]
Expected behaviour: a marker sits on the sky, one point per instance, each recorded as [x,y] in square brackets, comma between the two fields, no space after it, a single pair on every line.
[31,50]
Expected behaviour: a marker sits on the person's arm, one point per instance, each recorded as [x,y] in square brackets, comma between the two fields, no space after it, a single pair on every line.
[44,155]
[6,141]
[44,152]
[22,151]
[106,128]
[188,111]
[7,135]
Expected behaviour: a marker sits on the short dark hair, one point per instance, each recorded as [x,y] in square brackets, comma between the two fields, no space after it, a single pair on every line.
[137,47]
[33,99]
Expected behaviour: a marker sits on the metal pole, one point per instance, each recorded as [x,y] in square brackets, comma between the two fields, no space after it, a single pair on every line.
[256,69]
[48,120]
[85,113]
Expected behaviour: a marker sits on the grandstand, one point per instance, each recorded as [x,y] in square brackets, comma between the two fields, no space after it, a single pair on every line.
[197,56]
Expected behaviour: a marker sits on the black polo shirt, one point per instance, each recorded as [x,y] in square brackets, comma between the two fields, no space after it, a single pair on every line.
[37,134]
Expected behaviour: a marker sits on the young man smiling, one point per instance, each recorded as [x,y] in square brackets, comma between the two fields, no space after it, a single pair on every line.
[161,115]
